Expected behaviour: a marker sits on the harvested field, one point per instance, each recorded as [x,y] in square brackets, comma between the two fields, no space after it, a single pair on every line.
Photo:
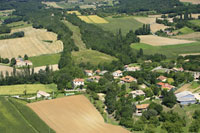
[74,12]
[192,36]
[146,20]
[73,114]
[52,4]
[189,54]
[191,1]
[93,19]
[32,44]
[52,67]
[161,41]
[5,69]
[155,27]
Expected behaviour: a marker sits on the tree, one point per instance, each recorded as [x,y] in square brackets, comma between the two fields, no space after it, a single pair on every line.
[156,107]
[12,62]
[169,99]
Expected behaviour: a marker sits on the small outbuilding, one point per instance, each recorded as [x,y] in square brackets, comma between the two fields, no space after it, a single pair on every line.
[43,94]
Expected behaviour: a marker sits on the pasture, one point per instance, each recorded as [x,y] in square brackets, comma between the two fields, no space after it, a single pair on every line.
[19,24]
[16,117]
[91,56]
[195,22]
[73,114]
[161,41]
[30,89]
[43,60]
[93,19]
[124,23]
[32,43]
[184,30]
[170,51]
[74,12]
[52,4]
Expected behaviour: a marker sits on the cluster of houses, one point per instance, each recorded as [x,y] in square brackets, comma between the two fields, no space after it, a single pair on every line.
[20,62]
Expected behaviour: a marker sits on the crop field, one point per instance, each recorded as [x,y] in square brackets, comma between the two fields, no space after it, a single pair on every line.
[74,12]
[19,24]
[52,4]
[161,41]
[93,19]
[73,114]
[16,117]
[170,51]
[30,88]
[146,20]
[5,69]
[32,43]
[52,67]
[191,1]
[155,27]
[124,23]
[191,36]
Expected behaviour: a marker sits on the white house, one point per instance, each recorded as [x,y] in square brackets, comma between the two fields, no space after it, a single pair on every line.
[89,72]
[117,73]
[141,108]
[42,94]
[78,82]
[131,69]
[137,93]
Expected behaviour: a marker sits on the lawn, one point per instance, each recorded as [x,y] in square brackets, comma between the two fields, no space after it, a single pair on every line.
[43,60]
[170,51]
[30,88]
[19,24]
[16,117]
[124,23]
[92,56]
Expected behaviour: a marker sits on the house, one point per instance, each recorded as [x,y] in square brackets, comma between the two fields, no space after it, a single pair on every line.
[97,71]
[162,78]
[165,86]
[141,108]
[137,93]
[175,69]
[94,79]
[131,69]
[20,62]
[185,98]
[117,74]
[42,94]
[127,79]
[89,72]
[147,61]
[196,75]
[78,82]
[103,72]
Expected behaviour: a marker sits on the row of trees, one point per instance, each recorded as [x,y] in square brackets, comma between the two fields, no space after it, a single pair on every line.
[4,29]
[13,35]
[145,30]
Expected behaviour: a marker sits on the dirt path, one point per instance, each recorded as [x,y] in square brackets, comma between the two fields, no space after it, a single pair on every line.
[73,114]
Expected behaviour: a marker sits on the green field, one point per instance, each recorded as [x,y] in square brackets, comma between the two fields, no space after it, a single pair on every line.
[16,117]
[44,60]
[92,56]
[185,30]
[195,22]
[30,89]
[170,51]
[124,23]
[19,24]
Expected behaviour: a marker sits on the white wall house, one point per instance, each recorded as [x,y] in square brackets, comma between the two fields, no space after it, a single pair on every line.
[78,82]
[42,94]
[117,73]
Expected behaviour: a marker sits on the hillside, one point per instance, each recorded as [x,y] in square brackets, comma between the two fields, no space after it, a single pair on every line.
[73,114]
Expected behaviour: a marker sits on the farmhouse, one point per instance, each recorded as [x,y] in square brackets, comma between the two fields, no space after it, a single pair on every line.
[127,79]
[162,78]
[78,82]
[117,74]
[131,69]
[141,108]
[20,62]
[185,98]
[137,93]
[42,94]
[165,86]
[89,72]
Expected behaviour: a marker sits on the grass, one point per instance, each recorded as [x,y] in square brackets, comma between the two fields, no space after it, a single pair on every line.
[124,23]
[92,56]
[194,85]
[16,117]
[30,88]
[185,30]
[43,60]
[195,22]
[170,51]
